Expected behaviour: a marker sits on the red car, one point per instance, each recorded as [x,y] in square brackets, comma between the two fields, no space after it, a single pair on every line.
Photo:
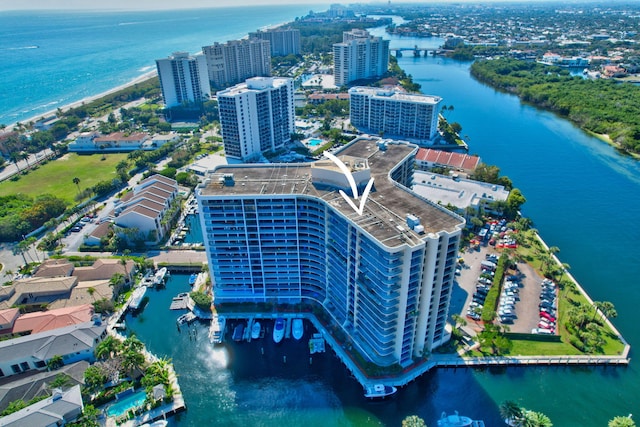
[547,316]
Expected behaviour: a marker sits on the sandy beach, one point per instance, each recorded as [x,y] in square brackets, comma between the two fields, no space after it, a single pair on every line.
[140,79]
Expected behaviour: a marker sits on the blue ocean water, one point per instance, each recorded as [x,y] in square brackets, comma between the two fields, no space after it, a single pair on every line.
[52,58]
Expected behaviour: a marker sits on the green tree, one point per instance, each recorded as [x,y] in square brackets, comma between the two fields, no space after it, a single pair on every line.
[413,421]
[535,419]
[622,422]
[56,362]
[60,381]
[606,308]
[511,412]
[76,181]
[95,377]
[107,348]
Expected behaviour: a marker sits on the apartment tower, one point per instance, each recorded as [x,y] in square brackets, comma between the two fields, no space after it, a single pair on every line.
[256,116]
[183,79]
[394,113]
[283,41]
[359,56]
[283,233]
[237,60]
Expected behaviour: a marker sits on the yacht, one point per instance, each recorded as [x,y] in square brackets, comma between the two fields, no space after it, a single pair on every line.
[159,276]
[456,420]
[255,330]
[379,391]
[298,329]
[278,330]
[136,297]
[238,332]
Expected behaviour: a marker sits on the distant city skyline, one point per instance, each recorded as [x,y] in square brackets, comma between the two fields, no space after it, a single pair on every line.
[6,5]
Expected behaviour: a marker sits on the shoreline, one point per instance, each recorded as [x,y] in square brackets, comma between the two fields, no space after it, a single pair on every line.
[140,79]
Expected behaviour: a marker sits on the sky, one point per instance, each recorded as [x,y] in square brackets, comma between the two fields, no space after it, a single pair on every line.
[152,4]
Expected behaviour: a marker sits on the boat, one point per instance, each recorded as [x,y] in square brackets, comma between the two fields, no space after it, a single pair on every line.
[159,423]
[255,330]
[379,391]
[159,276]
[192,279]
[136,297]
[298,329]
[238,332]
[278,330]
[186,318]
[456,420]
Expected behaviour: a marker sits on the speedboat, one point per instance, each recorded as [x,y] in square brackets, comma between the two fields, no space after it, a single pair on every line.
[238,332]
[255,330]
[298,329]
[193,278]
[379,391]
[278,330]
[136,297]
[159,276]
[456,420]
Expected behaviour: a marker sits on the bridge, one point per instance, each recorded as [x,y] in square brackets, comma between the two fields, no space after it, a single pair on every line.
[417,51]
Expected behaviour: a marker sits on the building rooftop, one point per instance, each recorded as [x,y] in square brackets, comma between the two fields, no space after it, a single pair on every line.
[385,211]
[455,160]
[395,95]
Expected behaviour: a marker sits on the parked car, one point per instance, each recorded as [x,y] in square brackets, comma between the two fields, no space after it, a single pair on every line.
[546,325]
[547,304]
[547,316]
[75,229]
[542,331]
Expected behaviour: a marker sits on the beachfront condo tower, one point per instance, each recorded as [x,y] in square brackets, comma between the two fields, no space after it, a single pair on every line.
[359,56]
[380,279]
[256,116]
[235,61]
[184,79]
[393,113]
[283,41]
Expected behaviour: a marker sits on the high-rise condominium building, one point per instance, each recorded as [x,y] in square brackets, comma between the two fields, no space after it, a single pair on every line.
[283,233]
[284,41]
[256,116]
[237,60]
[393,113]
[359,56]
[184,79]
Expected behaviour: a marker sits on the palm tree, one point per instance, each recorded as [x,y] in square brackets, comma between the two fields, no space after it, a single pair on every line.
[511,412]
[76,181]
[606,308]
[107,348]
[622,422]
[116,282]
[413,421]
[535,419]
[55,362]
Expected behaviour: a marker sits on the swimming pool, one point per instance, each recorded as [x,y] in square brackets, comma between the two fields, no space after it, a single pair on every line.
[131,401]
[315,142]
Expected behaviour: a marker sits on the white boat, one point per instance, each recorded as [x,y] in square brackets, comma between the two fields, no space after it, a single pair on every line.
[255,330]
[159,276]
[379,391]
[298,329]
[278,330]
[456,420]
[136,297]
[159,423]
[186,318]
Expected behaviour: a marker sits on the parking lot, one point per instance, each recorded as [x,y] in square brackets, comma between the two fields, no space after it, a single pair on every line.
[525,311]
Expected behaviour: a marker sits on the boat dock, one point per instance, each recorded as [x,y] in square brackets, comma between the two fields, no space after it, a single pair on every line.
[180,302]
[287,327]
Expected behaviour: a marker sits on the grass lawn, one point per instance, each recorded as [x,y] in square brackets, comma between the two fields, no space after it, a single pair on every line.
[542,348]
[56,177]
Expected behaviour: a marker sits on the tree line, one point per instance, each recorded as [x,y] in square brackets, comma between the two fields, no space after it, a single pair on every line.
[600,106]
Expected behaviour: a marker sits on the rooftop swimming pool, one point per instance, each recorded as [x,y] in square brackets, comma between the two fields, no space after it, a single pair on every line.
[121,406]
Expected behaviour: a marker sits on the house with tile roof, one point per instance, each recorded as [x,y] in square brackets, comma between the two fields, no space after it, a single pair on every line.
[427,158]
[41,321]
[58,410]
[141,212]
[73,343]
[32,384]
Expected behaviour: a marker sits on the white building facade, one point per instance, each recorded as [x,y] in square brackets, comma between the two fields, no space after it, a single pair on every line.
[183,79]
[256,116]
[283,41]
[359,56]
[393,113]
[284,234]
[237,60]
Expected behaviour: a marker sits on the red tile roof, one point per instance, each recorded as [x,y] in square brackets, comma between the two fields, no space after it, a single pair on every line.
[455,160]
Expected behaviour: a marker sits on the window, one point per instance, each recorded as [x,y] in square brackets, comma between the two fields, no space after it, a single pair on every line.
[25,366]
[15,369]
[40,364]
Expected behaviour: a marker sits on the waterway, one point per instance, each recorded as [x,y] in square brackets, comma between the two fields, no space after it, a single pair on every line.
[580,194]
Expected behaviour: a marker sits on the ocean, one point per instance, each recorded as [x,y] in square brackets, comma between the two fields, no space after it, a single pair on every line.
[580,194]
[51,59]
